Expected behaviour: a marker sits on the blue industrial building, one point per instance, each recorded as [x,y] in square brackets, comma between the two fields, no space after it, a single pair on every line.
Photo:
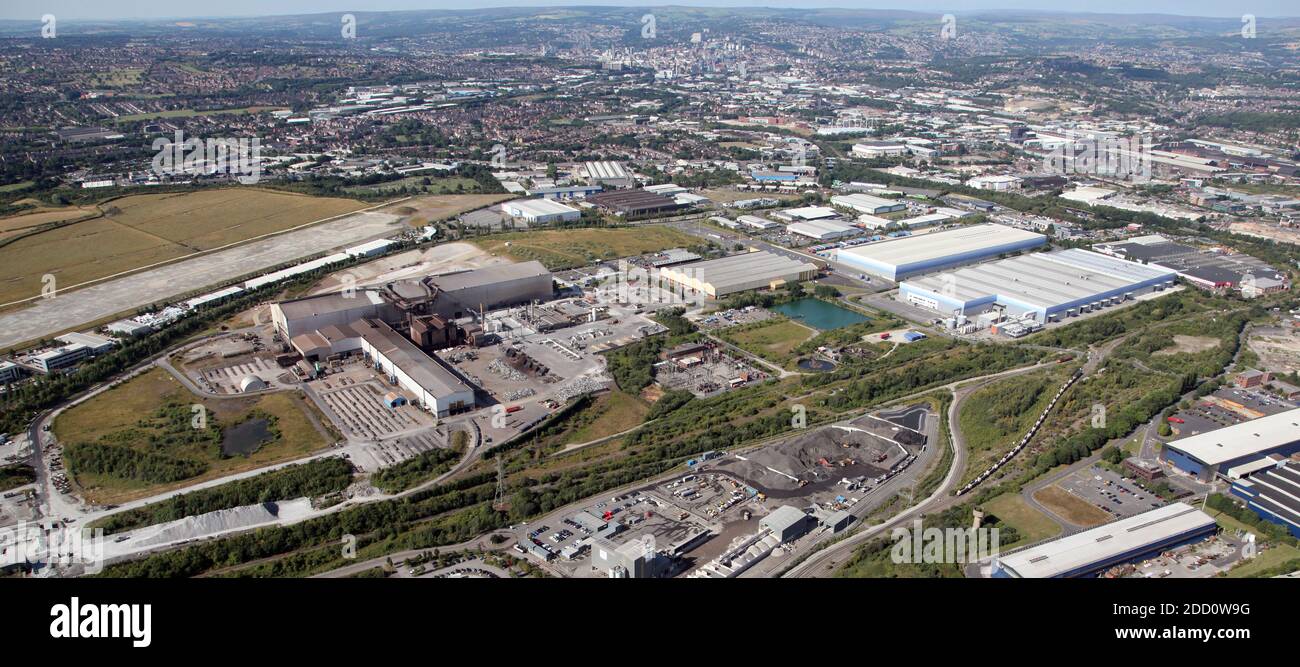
[1234,451]
[1274,494]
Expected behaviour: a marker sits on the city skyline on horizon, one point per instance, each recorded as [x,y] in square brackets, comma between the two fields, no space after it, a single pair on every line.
[86,10]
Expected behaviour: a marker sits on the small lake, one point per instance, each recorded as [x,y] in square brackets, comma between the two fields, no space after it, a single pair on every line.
[815,365]
[245,438]
[819,314]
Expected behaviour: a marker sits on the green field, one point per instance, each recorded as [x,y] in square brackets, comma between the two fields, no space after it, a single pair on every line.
[437,185]
[1031,524]
[774,341]
[140,230]
[1273,556]
[995,417]
[612,413]
[571,248]
[147,424]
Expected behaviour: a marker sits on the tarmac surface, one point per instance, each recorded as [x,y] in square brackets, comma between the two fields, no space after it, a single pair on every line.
[49,317]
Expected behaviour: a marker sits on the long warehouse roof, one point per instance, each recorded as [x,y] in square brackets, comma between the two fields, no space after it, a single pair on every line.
[1102,543]
[937,245]
[541,206]
[1243,439]
[489,275]
[426,371]
[743,268]
[1043,279]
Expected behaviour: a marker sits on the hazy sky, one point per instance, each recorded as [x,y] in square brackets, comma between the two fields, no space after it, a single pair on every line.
[110,9]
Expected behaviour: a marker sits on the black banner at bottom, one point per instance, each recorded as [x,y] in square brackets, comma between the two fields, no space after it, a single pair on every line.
[331,618]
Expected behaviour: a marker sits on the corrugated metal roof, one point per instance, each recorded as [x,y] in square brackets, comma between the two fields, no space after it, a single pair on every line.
[1042,279]
[1097,545]
[1243,439]
[938,245]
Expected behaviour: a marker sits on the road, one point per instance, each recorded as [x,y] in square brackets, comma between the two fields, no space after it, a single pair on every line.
[832,557]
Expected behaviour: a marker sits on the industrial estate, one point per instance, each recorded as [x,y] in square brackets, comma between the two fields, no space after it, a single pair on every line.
[750,293]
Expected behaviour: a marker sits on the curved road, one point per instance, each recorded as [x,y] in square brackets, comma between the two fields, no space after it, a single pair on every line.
[835,555]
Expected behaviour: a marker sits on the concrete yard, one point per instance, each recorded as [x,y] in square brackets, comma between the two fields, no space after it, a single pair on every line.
[48,317]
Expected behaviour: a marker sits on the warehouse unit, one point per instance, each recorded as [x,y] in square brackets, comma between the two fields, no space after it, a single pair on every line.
[738,273]
[634,203]
[1274,494]
[787,523]
[868,203]
[1046,286]
[823,230]
[613,174]
[540,211]
[1215,453]
[295,317]
[912,255]
[1094,551]
[436,388]
[759,224]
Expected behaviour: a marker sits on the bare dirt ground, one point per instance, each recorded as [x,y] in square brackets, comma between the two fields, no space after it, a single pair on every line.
[411,264]
[1190,345]
[1071,508]
[424,209]
[1284,234]
[1278,349]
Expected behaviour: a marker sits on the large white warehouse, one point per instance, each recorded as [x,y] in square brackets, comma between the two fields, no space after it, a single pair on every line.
[1048,286]
[911,255]
[540,211]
